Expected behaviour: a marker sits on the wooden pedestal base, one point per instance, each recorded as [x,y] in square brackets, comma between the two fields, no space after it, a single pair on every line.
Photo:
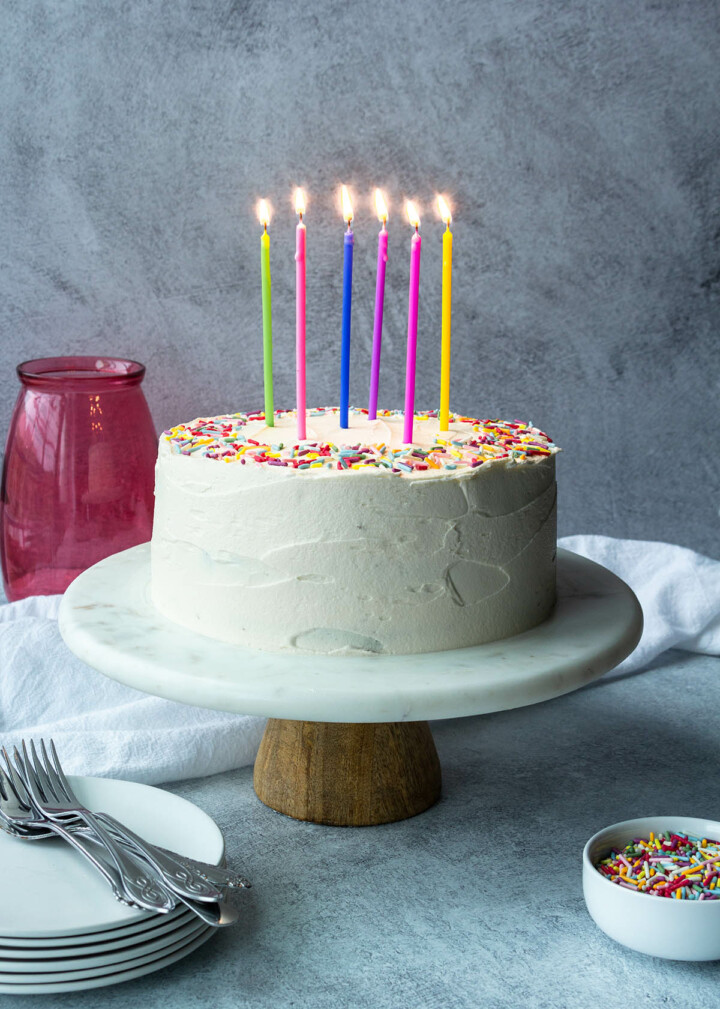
[345,774]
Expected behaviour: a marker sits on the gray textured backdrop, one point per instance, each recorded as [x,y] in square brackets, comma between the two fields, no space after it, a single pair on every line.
[580,143]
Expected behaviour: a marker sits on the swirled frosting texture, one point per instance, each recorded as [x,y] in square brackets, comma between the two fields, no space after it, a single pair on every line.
[335,559]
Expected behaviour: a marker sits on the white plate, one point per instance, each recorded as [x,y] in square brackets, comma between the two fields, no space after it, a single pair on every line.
[115,977]
[49,890]
[151,921]
[79,959]
[99,942]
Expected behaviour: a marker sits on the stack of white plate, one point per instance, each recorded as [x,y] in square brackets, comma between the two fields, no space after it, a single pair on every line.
[62,930]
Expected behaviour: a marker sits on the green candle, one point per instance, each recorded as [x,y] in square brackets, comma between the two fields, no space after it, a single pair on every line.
[264,215]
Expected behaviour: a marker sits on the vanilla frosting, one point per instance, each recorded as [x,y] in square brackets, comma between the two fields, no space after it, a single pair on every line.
[351,541]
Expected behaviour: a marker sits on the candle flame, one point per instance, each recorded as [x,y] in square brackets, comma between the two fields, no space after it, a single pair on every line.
[347,210]
[299,201]
[444,210]
[381,206]
[412,213]
[263,212]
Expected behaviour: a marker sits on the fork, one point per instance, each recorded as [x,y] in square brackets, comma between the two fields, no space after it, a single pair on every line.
[181,878]
[215,874]
[17,816]
[216,913]
[18,821]
[141,887]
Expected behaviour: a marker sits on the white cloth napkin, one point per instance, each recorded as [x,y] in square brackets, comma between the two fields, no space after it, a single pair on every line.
[104,728]
[678,589]
[101,727]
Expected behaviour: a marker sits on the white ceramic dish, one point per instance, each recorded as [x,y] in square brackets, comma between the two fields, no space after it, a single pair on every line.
[658,926]
[49,891]
[115,977]
[163,925]
[129,933]
[109,958]
[88,973]
[147,923]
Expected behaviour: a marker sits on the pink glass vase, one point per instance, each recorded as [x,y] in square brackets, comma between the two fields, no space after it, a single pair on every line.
[77,482]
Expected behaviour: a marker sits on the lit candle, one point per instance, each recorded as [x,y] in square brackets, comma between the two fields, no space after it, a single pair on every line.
[263,212]
[446,302]
[300,314]
[347,212]
[412,323]
[382,213]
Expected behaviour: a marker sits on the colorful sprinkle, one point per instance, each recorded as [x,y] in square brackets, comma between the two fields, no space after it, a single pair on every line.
[670,865]
[488,440]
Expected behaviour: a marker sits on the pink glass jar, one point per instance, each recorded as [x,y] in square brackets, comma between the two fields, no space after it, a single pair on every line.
[78,474]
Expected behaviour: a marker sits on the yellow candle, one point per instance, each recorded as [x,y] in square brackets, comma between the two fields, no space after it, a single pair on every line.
[264,215]
[446,302]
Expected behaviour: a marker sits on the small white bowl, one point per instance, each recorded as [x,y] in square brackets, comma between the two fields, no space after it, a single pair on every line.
[659,926]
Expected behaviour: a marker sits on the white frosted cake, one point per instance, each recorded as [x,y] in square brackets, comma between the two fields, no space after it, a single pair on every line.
[350,541]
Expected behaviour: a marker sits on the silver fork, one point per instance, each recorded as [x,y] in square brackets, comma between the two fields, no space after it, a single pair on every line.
[17,816]
[141,887]
[216,913]
[181,878]
[215,874]
[17,820]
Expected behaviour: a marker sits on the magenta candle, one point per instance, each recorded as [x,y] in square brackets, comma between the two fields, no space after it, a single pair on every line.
[300,247]
[415,246]
[379,303]
[348,244]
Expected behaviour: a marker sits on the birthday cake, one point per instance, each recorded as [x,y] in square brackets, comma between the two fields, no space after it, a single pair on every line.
[350,541]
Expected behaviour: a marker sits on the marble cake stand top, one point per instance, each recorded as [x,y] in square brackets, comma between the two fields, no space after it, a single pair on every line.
[107,619]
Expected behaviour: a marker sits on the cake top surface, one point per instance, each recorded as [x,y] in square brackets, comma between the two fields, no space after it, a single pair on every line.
[365,445]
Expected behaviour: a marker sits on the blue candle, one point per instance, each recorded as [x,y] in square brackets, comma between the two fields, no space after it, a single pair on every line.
[346,312]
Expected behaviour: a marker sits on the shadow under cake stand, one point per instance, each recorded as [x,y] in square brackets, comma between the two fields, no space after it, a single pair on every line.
[348,741]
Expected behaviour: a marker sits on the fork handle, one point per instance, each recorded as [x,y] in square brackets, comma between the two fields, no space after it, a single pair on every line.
[83,845]
[217,874]
[181,878]
[217,915]
[142,887]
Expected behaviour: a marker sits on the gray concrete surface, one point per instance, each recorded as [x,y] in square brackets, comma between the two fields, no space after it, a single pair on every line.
[577,139]
[477,902]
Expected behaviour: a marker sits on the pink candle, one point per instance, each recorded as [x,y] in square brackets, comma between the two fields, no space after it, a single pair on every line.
[300,235]
[412,324]
[379,303]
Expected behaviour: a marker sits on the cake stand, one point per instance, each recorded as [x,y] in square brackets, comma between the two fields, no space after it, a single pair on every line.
[348,741]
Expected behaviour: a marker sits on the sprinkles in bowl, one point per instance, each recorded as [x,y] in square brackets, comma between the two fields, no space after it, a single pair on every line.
[668,864]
